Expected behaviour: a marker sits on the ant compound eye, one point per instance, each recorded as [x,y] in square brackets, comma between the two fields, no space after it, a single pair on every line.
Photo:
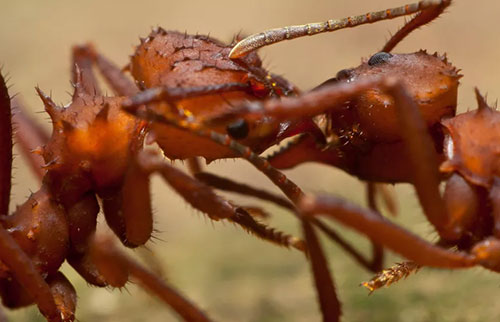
[379,58]
[238,129]
[344,74]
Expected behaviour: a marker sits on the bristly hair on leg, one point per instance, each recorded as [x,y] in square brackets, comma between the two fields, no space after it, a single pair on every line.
[391,275]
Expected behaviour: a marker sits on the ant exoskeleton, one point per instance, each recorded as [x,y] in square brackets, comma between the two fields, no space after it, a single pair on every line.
[139,168]
[466,215]
[93,152]
[468,230]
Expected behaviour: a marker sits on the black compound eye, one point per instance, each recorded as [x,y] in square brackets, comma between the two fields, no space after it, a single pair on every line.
[238,129]
[379,58]
[344,74]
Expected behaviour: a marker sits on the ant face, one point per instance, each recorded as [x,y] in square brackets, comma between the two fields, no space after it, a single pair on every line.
[175,60]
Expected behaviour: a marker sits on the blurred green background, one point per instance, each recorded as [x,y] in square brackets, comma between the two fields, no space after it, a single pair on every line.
[230,274]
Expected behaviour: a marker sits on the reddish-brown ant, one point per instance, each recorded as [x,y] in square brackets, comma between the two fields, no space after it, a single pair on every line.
[306,105]
[463,219]
[327,293]
[175,116]
[56,222]
[95,150]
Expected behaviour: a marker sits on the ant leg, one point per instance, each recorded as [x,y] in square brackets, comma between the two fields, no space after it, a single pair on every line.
[386,233]
[13,294]
[391,275]
[117,267]
[30,136]
[388,198]
[172,94]
[194,166]
[224,184]
[243,189]
[202,197]
[304,106]
[82,76]
[495,201]
[26,274]
[112,208]
[425,161]
[64,295]
[329,303]
[121,85]
[128,211]
[85,267]
[377,249]
[422,18]
[231,186]
[488,250]
[5,147]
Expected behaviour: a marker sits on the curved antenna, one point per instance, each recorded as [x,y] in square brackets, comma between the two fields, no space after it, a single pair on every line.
[272,36]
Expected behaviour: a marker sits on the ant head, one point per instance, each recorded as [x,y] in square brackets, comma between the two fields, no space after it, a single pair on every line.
[176,60]
[367,122]
[431,81]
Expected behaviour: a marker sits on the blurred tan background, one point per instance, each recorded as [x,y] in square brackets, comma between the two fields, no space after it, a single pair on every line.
[232,275]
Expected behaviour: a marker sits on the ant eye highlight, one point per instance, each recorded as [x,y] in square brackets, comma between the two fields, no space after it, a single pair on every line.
[379,58]
[344,74]
[238,129]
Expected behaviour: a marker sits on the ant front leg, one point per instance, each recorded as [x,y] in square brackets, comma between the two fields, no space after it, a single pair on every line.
[173,94]
[30,137]
[201,197]
[117,267]
[231,186]
[386,233]
[120,84]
